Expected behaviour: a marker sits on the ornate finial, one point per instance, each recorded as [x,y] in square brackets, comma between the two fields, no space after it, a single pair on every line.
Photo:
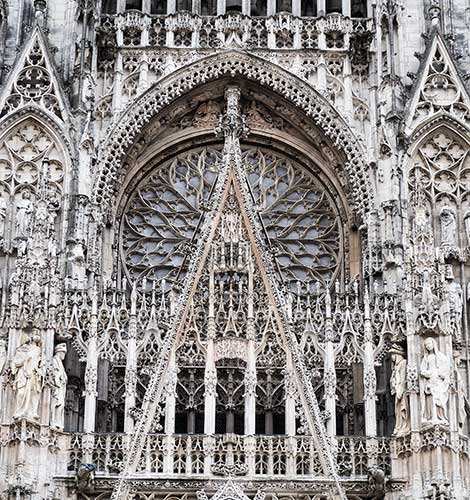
[232,124]
[435,14]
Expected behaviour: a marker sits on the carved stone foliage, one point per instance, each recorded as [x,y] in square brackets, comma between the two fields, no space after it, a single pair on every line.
[300,217]
[22,154]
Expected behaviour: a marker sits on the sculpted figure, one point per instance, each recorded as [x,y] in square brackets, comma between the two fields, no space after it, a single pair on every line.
[24,211]
[59,386]
[25,367]
[376,480]
[461,397]
[455,293]
[398,389]
[435,381]
[448,227]
[3,354]
[467,226]
[85,477]
[3,216]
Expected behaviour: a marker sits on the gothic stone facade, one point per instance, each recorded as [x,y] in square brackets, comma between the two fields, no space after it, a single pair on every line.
[234,249]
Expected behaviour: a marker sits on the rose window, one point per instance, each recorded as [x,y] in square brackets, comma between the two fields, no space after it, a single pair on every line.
[164,212]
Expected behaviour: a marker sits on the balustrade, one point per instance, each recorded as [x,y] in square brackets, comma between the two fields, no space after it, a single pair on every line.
[190,454]
[134,29]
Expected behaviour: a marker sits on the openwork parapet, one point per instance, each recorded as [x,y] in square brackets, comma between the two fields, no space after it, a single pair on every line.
[186,30]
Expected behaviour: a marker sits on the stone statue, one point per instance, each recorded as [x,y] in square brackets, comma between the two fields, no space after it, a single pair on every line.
[448,227]
[24,211]
[376,480]
[398,389]
[59,385]
[85,477]
[26,369]
[461,398]
[3,217]
[435,381]
[466,220]
[455,294]
[3,354]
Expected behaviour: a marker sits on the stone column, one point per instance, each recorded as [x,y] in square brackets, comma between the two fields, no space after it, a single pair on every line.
[91,372]
[131,364]
[329,377]
[250,374]
[271,10]
[210,374]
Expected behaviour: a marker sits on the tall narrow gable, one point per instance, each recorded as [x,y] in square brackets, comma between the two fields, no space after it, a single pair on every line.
[33,80]
[439,88]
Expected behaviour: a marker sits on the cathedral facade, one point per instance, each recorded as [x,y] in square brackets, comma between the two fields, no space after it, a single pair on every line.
[234,249]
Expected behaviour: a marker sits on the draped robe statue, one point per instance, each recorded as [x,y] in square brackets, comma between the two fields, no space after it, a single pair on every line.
[59,380]
[398,389]
[25,367]
[435,381]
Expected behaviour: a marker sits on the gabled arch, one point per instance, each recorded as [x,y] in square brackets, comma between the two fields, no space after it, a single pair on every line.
[44,119]
[232,64]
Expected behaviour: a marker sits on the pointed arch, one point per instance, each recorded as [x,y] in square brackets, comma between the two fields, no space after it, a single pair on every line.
[232,64]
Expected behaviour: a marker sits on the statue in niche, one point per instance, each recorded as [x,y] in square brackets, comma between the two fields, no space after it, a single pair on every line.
[455,294]
[466,220]
[398,389]
[26,369]
[3,218]
[59,385]
[24,212]
[448,227]
[461,399]
[3,354]
[435,381]
[428,299]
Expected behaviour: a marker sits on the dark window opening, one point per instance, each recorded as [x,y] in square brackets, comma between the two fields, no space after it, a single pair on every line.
[133,4]
[220,423]
[181,423]
[184,5]
[234,6]
[158,7]
[259,8]
[284,6]
[358,8]
[309,8]
[109,7]
[279,423]
[209,7]
[334,7]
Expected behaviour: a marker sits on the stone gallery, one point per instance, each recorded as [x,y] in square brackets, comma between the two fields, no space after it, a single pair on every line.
[234,249]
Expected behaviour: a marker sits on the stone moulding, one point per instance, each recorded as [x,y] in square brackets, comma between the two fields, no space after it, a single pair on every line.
[232,64]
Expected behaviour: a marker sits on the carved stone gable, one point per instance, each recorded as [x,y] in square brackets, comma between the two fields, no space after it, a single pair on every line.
[439,88]
[33,81]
